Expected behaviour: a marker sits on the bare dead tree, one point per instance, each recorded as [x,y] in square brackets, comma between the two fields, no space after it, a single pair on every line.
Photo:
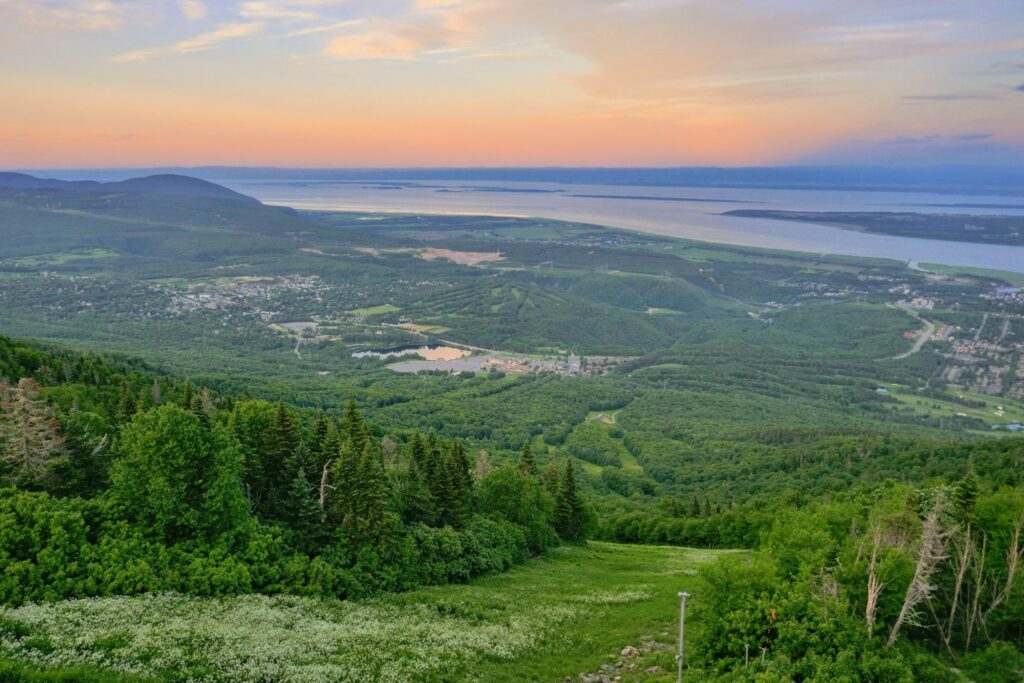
[931,553]
[30,434]
[828,590]
[962,551]
[973,610]
[325,486]
[483,466]
[875,584]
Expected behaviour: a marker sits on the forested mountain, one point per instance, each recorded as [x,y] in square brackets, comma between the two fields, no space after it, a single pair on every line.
[213,397]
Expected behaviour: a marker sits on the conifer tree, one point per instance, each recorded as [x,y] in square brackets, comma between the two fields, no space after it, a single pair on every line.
[527,463]
[569,514]
[301,511]
[464,481]
[283,439]
[370,505]
[198,410]
[446,493]
[354,428]
[345,483]
[414,499]
[186,397]
[551,480]
[318,436]
[126,404]
[30,441]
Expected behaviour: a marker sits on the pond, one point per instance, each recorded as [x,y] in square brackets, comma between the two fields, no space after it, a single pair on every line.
[433,352]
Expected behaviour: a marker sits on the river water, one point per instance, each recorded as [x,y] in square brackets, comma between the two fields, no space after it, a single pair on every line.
[692,213]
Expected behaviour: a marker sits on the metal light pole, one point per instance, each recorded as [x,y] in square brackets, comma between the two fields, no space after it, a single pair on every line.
[681,654]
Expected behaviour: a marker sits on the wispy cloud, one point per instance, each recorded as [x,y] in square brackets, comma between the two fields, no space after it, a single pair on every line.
[204,41]
[949,97]
[194,10]
[75,15]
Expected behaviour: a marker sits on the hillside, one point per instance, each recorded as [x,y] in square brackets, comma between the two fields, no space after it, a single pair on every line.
[217,403]
[164,183]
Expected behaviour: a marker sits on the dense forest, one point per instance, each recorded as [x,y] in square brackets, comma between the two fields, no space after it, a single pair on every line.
[120,480]
[124,480]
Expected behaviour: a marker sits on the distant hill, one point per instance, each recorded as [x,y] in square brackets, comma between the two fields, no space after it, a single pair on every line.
[165,183]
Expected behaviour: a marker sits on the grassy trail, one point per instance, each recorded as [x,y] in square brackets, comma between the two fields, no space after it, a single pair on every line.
[553,617]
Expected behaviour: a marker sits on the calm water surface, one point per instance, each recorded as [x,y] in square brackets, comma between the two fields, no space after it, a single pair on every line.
[692,213]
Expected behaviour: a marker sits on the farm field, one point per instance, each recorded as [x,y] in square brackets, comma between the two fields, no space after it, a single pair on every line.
[560,615]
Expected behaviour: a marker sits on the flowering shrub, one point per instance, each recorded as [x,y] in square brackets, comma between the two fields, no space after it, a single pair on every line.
[286,638]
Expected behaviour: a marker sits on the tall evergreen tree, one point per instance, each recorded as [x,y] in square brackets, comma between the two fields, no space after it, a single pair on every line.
[300,508]
[413,497]
[369,508]
[527,463]
[464,482]
[318,436]
[126,403]
[569,513]
[283,440]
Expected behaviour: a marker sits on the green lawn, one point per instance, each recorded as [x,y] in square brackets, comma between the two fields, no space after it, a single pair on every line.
[556,616]
[1013,411]
[376,310]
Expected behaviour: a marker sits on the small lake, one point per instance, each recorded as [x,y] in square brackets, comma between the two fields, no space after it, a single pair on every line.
[426,352]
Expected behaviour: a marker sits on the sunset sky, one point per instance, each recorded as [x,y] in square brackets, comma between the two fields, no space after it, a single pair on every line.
[95,83]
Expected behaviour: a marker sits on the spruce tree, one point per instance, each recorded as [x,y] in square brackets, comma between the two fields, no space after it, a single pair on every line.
[464,481]
[318,436]
[300,508]
[126,404]
[346,484]
[415,501]
[527,463]
[354,428]
[370,507]
[569,514]
[283,440]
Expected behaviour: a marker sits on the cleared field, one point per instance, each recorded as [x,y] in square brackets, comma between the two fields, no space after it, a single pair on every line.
[553,617]
[375,310]
[926,406]
[63,257]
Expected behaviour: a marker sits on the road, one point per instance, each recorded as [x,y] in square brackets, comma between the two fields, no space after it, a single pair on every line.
[922,338]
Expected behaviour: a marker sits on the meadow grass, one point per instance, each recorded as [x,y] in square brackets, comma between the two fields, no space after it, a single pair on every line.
[555,616]
[375,310]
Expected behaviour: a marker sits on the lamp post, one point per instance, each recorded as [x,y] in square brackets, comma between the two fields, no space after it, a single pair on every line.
[681,654]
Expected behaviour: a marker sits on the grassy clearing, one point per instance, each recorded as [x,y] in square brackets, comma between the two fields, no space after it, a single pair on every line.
[555,616]
[376,310]
[1015,279]
[1013,411]
[62,257]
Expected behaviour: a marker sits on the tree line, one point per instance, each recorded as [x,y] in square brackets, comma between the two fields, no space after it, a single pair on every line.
[121,481]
